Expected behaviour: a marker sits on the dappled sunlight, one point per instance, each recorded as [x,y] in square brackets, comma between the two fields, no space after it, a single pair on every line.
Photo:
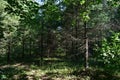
[13,65]
[55,70]
[59,40]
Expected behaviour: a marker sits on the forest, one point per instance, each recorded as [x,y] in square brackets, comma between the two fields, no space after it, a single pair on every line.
[59,39]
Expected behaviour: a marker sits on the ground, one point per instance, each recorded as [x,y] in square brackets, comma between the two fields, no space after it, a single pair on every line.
[52,69]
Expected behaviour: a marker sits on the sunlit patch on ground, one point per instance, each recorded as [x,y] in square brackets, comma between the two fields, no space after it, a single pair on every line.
[52,69]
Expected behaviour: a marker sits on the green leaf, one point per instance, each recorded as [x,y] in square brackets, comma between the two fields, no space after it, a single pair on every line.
[82,2]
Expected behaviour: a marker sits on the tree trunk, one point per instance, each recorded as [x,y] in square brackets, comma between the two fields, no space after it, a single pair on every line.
[23,47]
[76,35]
[76,29]
[30,47]
[41,44]
[41,50]
[9,51]
[48,43]
[86,46]
[72,46]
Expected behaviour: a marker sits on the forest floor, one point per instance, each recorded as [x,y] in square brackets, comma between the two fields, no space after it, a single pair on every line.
[52,69]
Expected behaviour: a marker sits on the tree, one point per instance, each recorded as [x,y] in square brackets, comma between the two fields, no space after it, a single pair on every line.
[9,23]
[17,17]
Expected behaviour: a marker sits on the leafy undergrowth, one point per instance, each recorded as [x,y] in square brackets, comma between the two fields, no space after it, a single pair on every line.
[53,69]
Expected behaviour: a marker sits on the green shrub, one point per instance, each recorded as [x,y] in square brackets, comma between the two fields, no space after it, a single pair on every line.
[109,51]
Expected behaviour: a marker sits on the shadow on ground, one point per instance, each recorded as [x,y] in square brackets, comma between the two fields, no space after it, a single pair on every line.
[52,69]
[12,73]
[96,74]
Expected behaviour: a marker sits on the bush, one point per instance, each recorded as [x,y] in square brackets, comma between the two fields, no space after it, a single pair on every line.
[109,51]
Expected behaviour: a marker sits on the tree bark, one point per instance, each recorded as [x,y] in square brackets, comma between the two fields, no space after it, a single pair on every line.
[86,46]
[76,35]
[76,29]
[48,42]
[23,47]
[30,46]
[72,46]
[9,51]
[41,43]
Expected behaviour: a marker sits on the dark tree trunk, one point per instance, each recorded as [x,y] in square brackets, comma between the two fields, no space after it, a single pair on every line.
[30,47]
[41,52]
[9,51]
[41,43]
[72,46]
[66,48]
[23,47]
[76,35]
[76,29]
[48,43]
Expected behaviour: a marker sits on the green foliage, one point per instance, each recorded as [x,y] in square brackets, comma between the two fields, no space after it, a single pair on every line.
[3,5]
[109,52]
[2,15]
[3,77]
[27,28]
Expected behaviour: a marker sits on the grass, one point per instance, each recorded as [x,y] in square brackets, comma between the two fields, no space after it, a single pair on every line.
[52,69]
